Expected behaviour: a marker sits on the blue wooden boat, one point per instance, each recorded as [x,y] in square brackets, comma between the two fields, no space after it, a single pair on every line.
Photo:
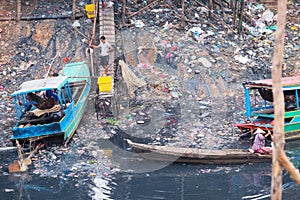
[59,114]
[260,109]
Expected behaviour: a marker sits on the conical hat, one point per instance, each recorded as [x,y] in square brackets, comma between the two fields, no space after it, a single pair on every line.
[259,130]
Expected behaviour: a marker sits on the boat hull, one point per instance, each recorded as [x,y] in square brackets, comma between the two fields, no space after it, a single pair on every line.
[197,156]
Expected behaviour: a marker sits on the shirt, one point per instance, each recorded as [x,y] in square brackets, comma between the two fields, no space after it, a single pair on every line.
[104,48]
[50,94]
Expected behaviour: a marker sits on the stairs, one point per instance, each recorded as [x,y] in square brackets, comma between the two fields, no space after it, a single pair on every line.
[107,28]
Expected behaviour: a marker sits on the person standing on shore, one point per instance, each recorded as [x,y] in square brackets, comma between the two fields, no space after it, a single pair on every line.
[105,49]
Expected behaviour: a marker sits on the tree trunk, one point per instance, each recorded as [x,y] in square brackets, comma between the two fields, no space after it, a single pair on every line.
[278,131]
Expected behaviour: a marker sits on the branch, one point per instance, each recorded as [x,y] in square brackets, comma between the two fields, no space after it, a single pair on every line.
[295,175]
[154,2]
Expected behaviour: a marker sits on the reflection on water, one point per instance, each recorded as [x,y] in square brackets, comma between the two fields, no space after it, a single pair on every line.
[195,182]
[174,181]
[102,187]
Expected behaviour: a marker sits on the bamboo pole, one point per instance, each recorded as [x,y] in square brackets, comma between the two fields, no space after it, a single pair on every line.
[278,131]
[182,14]
[242,4]
[231,3]
[93,36]
[123,12]
[18,10]
[74,10]
[234,12]
[95,21]
[51,64]
[210,6]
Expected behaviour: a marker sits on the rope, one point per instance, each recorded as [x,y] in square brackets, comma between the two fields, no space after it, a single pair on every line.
[131,80]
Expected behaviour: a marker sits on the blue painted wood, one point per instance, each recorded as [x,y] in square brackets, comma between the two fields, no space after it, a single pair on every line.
[262,116]
[73,113]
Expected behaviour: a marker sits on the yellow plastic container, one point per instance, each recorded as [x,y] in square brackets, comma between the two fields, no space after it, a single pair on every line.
[105,83]
[89,8]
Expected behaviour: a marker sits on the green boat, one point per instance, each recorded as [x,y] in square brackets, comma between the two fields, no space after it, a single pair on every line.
[260,109]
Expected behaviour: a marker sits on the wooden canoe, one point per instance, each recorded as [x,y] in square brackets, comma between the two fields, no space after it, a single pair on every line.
[197,156]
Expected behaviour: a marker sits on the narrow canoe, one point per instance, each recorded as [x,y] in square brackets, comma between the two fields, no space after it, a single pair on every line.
[197,156]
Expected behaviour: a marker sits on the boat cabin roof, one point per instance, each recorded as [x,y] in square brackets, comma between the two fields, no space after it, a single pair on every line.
[288,83]
[41,84]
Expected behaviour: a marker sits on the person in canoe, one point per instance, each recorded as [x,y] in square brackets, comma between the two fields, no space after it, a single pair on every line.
[259,142]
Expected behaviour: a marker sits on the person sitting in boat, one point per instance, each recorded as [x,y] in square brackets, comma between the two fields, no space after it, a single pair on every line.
[49,94]
[34,99]
[259,142]
[40,102]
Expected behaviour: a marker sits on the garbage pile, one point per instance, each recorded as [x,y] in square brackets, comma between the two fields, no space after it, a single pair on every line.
[193,75]
[198,69]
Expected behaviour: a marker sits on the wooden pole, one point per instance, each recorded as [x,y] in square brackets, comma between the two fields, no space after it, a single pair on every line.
[231,4]
[278,132]
[182,13]
[123,12]
[234,12]
[95,21]
[74,10]
[93,36]
[242,3]
[210,6]
[18,10]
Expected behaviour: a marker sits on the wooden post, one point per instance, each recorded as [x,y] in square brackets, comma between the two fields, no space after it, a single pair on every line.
[231,4]
[123,12]
[95,21]
[234,12]
[182,13]
[92,40]
[242,3]
[210,6]
[74,10]
[278,132]
[18,10]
